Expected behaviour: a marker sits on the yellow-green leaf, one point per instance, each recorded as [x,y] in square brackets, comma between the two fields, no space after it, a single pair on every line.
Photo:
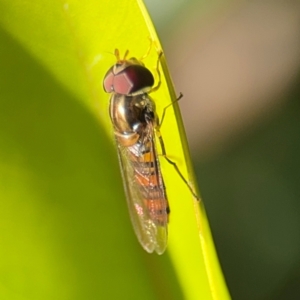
[65,229]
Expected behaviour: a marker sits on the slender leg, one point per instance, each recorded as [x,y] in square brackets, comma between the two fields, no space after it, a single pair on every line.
[148,50]
[164,154]
[164,111]
[155,88]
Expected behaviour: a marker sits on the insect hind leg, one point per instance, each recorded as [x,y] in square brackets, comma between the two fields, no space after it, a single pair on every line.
[164,154]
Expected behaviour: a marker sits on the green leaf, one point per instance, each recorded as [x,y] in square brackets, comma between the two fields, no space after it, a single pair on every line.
[65,229]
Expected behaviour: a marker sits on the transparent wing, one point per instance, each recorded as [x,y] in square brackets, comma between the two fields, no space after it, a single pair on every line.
[145,193]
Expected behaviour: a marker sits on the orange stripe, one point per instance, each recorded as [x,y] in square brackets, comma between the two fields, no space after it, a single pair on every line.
[146,157]
[159,210]
[148,180]
[148,177]
[157,206]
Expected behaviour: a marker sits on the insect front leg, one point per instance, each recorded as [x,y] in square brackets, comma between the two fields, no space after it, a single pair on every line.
[155,88]
[148,50]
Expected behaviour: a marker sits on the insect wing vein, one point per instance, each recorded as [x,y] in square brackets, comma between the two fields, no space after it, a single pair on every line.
[145,193]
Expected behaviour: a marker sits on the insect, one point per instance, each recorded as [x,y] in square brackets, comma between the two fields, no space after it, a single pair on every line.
[133,115]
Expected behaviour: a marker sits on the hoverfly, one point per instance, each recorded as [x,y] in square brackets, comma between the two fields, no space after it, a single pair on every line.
[133,116]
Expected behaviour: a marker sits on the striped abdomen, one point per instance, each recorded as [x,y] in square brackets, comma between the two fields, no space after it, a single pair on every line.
[149,180]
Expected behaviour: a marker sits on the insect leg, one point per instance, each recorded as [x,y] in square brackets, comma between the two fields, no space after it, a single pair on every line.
[148,50]
[164,154]
[164,111]
[155,88]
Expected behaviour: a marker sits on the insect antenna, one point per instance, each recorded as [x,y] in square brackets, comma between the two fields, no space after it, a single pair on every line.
[117,55]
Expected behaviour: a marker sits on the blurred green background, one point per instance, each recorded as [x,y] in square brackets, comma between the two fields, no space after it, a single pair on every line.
[237,64]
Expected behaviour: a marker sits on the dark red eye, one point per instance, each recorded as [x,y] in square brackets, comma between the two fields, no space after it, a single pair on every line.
[132,79]
[108,82]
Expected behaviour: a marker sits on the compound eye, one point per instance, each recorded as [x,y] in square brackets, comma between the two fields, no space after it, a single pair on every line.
[133,79]
[108,82]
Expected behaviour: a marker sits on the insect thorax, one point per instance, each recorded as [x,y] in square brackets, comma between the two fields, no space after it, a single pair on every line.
[131,114]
